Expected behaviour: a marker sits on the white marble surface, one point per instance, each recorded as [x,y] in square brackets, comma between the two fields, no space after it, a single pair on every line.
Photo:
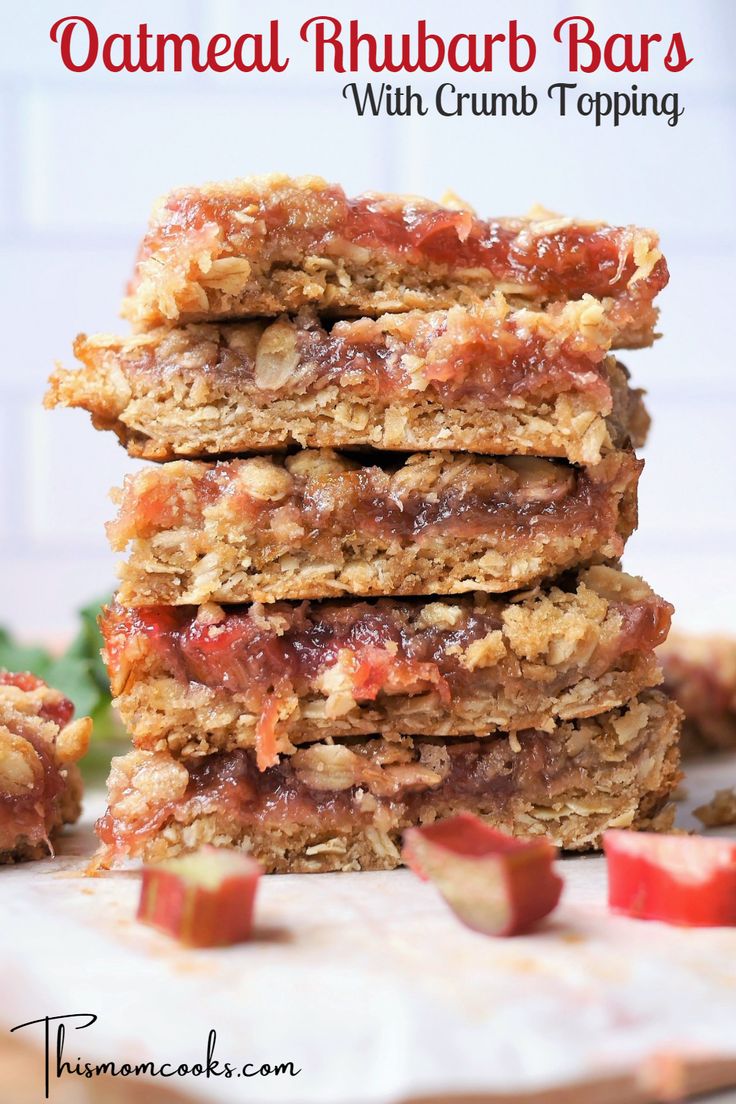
[367,983]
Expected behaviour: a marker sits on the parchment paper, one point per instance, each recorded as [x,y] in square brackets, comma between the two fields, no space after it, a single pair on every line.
[368,984]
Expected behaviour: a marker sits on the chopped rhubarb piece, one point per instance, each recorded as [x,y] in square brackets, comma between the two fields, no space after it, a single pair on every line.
[685,880]
[494,883]
[204,899]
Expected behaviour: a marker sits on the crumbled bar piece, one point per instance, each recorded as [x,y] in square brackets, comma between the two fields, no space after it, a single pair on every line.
[194,680]
[700,674]
[40,784]
[268,245]
[719,811]
[345,806]
[486,378]
[317,524]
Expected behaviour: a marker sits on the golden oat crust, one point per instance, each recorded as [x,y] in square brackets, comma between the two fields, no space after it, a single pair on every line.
[345,806]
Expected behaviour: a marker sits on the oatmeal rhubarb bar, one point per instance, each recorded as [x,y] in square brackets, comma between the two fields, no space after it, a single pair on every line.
[269,245]
[700,674]
[40,784]
[487,378]
[271,677]
[318,524]
[344,806]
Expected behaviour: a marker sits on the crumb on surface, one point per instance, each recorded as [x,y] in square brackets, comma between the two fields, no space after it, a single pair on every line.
[720,810]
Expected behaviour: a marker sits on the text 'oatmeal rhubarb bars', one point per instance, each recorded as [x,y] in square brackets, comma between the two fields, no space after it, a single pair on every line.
[375,580]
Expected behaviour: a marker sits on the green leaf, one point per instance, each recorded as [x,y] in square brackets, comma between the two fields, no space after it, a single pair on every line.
[74,678]
[107,724]
[109,739]
[15,656]
[88,642]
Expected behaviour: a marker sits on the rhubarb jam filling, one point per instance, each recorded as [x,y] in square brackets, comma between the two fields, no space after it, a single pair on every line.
[559,259]
[256,650]
[338,788]
[382,646]
[509,501]
[450,357]
[565,263]
[353,652]
[27,809]
[486,366]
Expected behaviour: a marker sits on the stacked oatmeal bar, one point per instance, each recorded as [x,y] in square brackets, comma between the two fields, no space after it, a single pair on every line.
[375,580]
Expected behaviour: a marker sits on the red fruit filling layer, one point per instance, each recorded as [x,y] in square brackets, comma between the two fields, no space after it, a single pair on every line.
[246,652]
[466,357]
[231,785]
[506,501]
[564,263]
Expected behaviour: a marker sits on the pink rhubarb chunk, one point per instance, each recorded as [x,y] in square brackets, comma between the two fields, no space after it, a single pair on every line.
[204,899]
[494,883]
[685,880]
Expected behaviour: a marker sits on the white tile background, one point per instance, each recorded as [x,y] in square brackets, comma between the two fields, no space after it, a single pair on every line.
[83,156]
